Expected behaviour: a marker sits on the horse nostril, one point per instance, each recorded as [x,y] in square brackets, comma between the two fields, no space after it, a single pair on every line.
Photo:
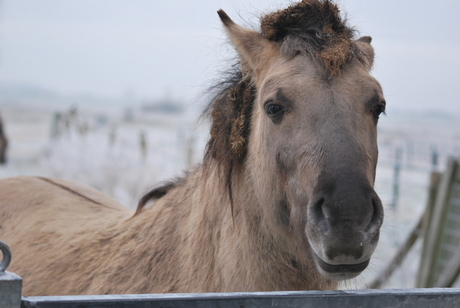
[318,214]
[377,215]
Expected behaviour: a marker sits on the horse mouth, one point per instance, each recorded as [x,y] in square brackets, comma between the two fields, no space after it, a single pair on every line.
[340,271]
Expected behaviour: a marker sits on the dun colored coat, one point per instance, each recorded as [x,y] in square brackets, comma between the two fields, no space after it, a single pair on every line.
[283,200]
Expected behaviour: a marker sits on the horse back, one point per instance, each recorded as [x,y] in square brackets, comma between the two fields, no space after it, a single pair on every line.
[43,219]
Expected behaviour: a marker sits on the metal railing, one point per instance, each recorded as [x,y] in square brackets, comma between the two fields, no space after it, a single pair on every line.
[11,288]
[420,298]
[10,284]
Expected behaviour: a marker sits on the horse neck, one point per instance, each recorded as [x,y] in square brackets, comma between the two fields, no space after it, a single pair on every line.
[225,250]
[254,242]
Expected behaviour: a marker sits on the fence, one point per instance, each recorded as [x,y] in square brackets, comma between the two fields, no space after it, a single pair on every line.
[420,298]
[440,229]
[440,264]
[11,288]
[10,284]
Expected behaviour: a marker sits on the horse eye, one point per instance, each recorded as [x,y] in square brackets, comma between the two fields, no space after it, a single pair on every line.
[274,110]
[378,110]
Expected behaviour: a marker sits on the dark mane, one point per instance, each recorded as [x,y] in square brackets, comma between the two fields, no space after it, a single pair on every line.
[230,111]
[156,193]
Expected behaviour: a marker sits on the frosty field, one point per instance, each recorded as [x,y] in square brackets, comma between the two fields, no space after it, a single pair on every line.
[123,152]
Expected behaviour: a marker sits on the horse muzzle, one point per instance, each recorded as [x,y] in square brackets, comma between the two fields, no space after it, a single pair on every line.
[340,271]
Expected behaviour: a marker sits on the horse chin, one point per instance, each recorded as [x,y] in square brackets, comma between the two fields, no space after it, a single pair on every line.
[340,271]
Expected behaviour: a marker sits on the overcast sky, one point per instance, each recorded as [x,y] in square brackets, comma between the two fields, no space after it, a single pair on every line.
[151,48]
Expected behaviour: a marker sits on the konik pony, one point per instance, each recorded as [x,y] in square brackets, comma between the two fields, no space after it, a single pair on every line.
[283,199]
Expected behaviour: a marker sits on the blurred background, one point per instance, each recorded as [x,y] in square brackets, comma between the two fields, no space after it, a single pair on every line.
[109,93]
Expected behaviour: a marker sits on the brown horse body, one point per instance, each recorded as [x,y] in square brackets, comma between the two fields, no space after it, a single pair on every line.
[71,245]
[282,201]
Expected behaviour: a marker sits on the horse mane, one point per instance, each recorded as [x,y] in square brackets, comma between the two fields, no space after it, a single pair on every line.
[157,193]
[311,26]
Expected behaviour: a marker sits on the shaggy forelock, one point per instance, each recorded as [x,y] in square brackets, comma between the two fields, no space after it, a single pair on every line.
[314,27]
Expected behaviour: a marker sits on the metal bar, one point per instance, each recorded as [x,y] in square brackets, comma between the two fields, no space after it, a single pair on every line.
[10,284]
[6,260]
[420,298]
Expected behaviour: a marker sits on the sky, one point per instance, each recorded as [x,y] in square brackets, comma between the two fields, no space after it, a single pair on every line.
[150,49]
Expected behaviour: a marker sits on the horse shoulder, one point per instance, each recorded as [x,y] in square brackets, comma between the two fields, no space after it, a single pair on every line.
[54,220]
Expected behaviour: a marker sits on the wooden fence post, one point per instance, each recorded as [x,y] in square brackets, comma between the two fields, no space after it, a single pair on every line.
[143,145]
[3,144]
[397,172]
[422,274]
[189,151]
[434,158]
[113,135]
[433,236]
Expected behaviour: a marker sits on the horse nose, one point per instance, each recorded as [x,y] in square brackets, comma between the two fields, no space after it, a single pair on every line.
[377,215]
[344,223]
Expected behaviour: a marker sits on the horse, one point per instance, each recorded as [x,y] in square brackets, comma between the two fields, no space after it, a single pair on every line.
[282,200]
[3,144]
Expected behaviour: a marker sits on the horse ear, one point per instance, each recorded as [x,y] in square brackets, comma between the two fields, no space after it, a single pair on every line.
[364,45]
[254,50]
